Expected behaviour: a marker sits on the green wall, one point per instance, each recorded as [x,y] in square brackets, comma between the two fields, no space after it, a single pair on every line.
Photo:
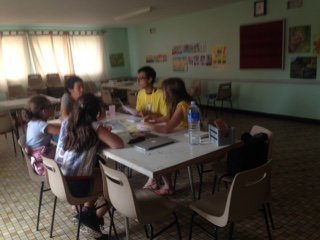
[270,91]
[117,42]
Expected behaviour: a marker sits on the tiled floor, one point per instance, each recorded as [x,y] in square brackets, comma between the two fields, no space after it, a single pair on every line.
[295,191]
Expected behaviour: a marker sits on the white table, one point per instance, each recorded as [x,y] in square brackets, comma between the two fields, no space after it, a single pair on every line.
[17,104]
[165,159]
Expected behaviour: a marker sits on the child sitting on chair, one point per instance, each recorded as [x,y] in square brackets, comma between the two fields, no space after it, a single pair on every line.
[79,139]
[39,133]
[178,102]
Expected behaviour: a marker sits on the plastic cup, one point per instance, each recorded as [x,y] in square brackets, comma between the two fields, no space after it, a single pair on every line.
[112,110]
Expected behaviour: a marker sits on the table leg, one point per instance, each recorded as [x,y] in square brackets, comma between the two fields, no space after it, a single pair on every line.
[191,182]
[126,223]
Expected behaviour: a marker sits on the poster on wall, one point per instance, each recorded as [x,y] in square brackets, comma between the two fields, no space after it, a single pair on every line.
[303,67]
[316,44]
[299,39]
[180,64]
[219,57]
[294,4]
[156,58]
[116,60]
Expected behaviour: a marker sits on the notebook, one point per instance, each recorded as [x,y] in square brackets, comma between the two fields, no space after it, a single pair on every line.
[152,143]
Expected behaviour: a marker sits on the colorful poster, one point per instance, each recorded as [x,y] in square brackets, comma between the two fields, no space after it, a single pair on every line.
[219,57]
[316,44]
[116,60]
[303,67]
[180,64]
[299,39]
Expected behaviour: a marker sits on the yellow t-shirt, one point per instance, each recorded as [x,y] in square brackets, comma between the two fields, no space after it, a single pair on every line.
[154,102]
[185,108]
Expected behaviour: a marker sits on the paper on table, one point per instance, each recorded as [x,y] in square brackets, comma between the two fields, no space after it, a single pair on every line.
[130,110]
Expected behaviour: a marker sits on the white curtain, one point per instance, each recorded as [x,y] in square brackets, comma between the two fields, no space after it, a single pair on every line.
[51,54]
[88,56]
[63,53]
[15,59]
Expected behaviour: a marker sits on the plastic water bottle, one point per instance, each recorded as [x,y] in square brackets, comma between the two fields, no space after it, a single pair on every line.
[194,124]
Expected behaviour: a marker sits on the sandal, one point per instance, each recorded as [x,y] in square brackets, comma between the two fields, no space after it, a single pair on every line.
[165,191]
[151,186]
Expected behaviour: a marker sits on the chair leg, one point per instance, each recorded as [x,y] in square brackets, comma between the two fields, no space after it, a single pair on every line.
[200,171]
[112,226]
[215,179]
[177,172]
[231,230]
[53,213]
[191,225]
[270,215]
[265,214]
[40,203]
[126,224]
[79,221]
[14,143]
[178,226]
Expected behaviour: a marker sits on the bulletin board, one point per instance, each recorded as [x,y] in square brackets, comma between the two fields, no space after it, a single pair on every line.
[262,45]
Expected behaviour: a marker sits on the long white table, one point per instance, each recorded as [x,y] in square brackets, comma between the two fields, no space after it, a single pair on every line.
[165,159]
[17,104]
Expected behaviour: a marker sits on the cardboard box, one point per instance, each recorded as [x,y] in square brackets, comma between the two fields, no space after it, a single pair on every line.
[217,137]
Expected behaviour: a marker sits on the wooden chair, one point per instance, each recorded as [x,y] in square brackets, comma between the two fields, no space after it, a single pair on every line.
[247,194]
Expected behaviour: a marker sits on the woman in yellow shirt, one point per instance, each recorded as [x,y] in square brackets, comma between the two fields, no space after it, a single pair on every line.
[178,102]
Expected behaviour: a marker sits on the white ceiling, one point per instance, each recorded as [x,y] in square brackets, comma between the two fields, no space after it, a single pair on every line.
[98,13]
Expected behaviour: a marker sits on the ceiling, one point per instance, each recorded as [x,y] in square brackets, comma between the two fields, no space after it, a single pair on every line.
[98,13]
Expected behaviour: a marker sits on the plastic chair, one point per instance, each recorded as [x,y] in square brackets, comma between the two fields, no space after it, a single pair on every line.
[36,85]
[54,85]
[16,92]
[6,125]
[106,96]
[60,189]
[195,90]
[33,176]
[247,194]
[143,205]
[224,94]
[132,98]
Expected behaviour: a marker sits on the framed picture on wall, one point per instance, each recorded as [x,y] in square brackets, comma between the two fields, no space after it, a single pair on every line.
[259,8]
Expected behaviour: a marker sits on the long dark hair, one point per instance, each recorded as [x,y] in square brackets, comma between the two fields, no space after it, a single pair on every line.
[175,92]
[35,106]
[81,136]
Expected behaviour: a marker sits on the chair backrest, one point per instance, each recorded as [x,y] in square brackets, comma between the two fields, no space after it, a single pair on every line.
[33,176]
[195,88]
[132,98]
[106,96]
[16,91]
[35,81]
[248,191]
[6,124]
[120,192]
[53,80]
[90,87]
[224,91]
[56,180]
[258,129]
